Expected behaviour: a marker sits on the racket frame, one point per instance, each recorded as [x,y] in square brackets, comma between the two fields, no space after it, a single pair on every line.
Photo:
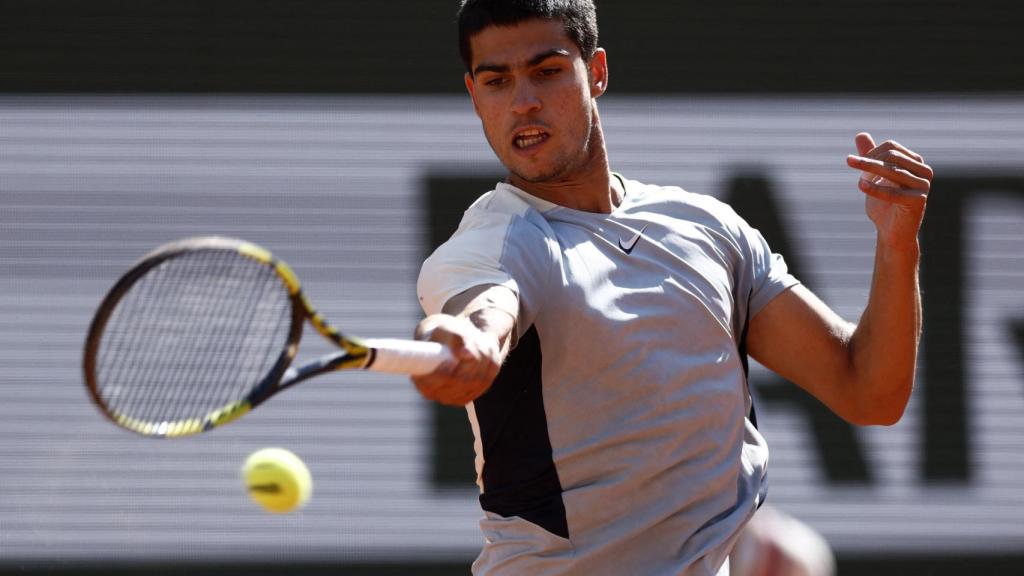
[354,353]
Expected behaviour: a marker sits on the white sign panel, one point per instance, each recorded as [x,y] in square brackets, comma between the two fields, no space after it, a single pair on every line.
[336,185]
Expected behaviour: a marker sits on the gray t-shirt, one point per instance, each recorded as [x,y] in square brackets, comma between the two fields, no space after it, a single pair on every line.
[616,439]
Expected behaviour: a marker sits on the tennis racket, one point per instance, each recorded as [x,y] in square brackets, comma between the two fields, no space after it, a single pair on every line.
[201,331]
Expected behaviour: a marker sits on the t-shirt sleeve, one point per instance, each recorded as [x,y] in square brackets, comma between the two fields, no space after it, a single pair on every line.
[763,274]
[490,248]
[471,257]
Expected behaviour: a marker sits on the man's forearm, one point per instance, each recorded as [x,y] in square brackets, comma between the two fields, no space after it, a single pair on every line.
[883,350]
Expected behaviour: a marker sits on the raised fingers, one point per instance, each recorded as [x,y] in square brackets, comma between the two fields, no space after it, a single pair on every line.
[894,153]
[894,145]
[889,168]
[896,167]
[891,193]
[865,143]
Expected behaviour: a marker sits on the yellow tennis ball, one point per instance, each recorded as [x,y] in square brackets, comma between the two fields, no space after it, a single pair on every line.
[277,480]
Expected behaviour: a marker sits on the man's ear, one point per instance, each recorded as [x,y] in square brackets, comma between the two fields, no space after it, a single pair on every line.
[471,88]
[598,68]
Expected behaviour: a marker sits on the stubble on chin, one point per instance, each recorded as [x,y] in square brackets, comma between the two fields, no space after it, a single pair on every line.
[538,177]
[562,167]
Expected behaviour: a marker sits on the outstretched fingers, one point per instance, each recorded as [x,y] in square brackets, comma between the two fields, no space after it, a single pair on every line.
[893,194]
[897,167]
[891,171]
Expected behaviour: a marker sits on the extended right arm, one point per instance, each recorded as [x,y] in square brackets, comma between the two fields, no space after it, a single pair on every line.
[478,326]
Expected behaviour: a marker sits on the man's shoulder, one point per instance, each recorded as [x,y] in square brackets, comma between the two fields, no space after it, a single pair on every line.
[508,199]
[502,207]
[501,240]
[499,223]
[679,202]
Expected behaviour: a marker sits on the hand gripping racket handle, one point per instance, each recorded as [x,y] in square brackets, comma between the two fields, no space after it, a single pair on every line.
[412,357]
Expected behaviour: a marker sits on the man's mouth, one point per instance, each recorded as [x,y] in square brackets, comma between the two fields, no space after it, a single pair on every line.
[529,137]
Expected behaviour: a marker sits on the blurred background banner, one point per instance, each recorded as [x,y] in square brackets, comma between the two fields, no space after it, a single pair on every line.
[312,127]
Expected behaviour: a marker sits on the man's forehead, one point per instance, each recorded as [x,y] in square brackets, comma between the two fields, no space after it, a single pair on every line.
[518,44]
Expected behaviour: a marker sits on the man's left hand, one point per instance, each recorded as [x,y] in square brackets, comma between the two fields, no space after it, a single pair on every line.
[896,181]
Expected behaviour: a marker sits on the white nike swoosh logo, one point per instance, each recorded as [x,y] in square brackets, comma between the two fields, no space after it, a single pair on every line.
[627,246]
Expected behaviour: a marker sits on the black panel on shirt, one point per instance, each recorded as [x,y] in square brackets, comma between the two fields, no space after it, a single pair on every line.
[519,473]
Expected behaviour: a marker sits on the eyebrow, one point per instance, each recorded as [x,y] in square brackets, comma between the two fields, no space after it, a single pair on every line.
[537,59]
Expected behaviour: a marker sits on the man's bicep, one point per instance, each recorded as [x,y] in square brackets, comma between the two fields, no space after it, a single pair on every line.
[483,296]
[799,337]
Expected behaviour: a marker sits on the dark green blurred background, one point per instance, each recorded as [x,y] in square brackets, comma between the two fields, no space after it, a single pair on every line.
[408,46]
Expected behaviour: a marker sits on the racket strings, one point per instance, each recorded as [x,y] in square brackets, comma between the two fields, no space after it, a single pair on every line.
[156,344]
[195,333]
[130,324]
[248,357]
[224,364]
[174,346]
[203,292]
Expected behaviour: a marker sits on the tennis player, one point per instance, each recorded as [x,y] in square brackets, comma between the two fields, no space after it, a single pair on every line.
[601,324]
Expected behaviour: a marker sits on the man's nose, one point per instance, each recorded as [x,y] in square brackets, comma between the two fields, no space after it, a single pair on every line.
[525,98]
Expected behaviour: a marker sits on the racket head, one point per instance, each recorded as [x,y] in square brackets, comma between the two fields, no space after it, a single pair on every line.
[193,336]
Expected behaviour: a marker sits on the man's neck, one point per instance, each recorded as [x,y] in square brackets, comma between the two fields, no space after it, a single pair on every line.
[598,192]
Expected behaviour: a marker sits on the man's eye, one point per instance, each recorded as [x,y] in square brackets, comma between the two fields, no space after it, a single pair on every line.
[495,81]
[549,71]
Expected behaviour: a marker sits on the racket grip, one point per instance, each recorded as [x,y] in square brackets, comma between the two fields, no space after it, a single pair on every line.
[412,357]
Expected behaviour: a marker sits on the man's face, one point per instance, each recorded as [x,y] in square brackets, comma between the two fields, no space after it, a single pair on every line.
[534,96]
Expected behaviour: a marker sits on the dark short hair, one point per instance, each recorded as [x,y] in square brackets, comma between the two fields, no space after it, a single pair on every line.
[578,16]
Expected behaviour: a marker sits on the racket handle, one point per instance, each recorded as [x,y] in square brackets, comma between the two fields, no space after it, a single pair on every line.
[412,357]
